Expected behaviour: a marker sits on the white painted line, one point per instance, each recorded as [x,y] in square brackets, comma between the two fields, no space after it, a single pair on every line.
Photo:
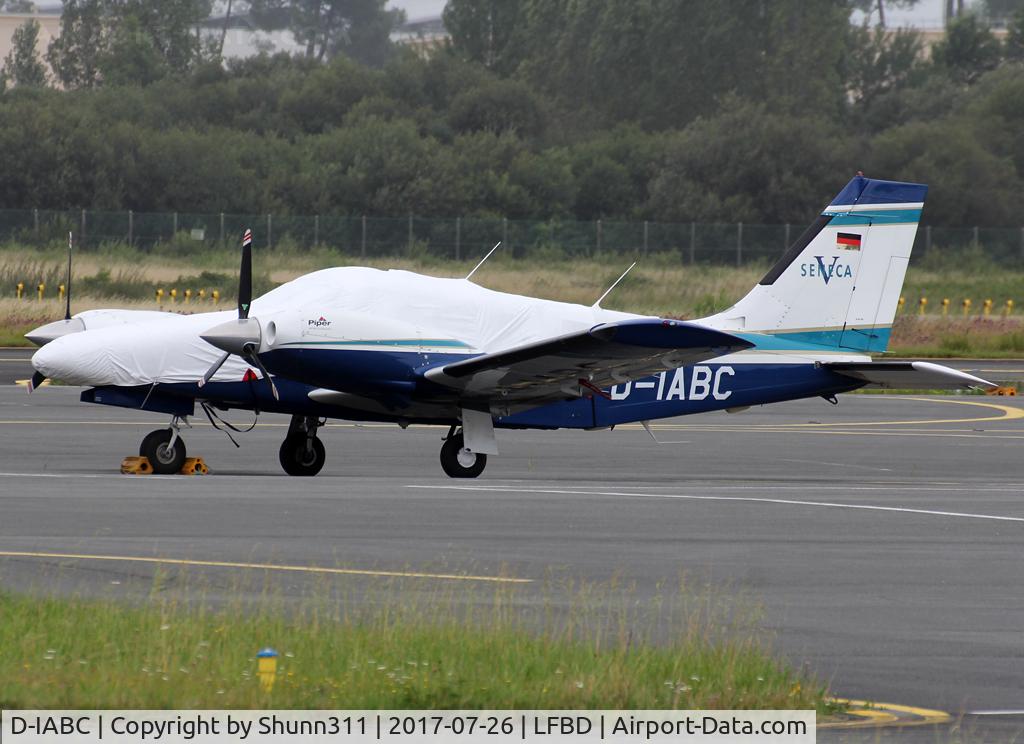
[837,464]
[994,712]
[119,476]
[749,499]
[927,488]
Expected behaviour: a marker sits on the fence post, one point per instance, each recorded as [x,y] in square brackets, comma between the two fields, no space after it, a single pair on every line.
[504,232]
[35,222]
[786,246]
[131,228]
[174,230]
[928,239]
[693,242]
[458,237]
[81,236]
[975,234]
[645,237]
[598,251]
[739,243]
[410,234]
[362,244]
[270,232]
[221,227]
[316,230]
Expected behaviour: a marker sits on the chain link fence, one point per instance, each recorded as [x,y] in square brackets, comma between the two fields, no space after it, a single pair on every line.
[455,238]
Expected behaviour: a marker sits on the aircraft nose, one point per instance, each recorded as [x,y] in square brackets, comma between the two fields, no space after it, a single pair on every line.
[44,334]
[56,361]
[234,336]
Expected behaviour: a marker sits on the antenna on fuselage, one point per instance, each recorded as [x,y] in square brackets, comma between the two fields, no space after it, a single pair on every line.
[67,293]
[614,285]
[496,246]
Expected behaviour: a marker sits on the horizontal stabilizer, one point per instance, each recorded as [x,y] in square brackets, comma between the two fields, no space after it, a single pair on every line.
[911,375]
[605,355]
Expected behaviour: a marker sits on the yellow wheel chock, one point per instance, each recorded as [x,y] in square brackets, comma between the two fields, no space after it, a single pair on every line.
[141,466]
[194,466]
[136,466]
[1006,390]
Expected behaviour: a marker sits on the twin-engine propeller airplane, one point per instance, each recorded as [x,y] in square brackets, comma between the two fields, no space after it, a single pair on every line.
[393,346]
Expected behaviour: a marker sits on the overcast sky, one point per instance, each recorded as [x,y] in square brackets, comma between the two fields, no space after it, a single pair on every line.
[419,8]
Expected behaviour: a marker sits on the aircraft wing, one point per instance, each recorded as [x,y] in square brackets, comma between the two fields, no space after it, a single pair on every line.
[568,366]
[910,375]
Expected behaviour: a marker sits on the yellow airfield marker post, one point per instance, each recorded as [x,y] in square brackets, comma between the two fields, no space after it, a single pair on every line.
[266,668]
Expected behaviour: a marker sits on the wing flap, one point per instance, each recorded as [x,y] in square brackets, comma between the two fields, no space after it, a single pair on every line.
[910,375]
[569,365]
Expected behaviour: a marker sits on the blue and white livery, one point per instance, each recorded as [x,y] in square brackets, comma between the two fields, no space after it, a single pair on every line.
[394,346]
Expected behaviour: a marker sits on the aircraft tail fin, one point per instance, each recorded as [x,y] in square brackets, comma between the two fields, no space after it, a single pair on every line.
[839,284]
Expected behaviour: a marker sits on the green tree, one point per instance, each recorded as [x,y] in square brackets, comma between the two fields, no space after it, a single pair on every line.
[125,41]
[131,56]
[968,51]
[869,7]
[22,65]
[170,26]
[968,185]
[1001,11]
[75,55]
[359,29]
[881,61]
[1013,48]
[483,31]
[752,165]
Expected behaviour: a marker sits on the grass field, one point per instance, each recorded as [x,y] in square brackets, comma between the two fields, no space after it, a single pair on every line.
[582,647]
[660,285]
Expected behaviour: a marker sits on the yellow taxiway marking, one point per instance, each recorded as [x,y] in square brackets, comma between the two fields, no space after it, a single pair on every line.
[877,715]
[263,566]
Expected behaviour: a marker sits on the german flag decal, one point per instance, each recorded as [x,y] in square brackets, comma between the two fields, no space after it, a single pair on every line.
[848,241]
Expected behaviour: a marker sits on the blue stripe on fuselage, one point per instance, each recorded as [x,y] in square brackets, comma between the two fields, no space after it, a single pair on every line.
[830,339]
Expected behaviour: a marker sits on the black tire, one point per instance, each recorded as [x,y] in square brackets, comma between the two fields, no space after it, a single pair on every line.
[298,459]
[164,461]
[452,452]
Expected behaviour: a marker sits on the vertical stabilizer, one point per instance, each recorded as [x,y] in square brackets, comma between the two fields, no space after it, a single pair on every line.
[839,284]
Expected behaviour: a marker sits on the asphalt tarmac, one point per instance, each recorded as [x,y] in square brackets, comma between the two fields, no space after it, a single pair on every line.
[882,536]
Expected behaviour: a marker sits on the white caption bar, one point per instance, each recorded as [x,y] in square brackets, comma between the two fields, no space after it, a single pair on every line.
[432,726]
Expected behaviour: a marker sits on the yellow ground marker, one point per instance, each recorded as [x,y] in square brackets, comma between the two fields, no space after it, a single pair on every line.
[879,715]
[24,383]
[263,567]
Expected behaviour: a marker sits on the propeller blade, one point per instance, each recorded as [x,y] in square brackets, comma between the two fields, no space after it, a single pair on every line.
[67,294]
[251,357]
[213,370]
[245,277]
[38,378]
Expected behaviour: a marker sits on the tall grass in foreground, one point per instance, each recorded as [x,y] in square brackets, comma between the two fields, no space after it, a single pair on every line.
[589,647]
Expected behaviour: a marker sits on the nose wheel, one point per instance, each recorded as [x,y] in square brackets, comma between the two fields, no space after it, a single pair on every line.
[302,452]
[165,450]
[459,462]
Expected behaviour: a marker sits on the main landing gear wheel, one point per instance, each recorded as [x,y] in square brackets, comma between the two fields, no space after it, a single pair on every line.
[302,454]
[165,456]
[459,462]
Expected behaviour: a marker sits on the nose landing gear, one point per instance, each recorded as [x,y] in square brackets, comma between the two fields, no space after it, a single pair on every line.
[164,448]
[302,452]
[459,462]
